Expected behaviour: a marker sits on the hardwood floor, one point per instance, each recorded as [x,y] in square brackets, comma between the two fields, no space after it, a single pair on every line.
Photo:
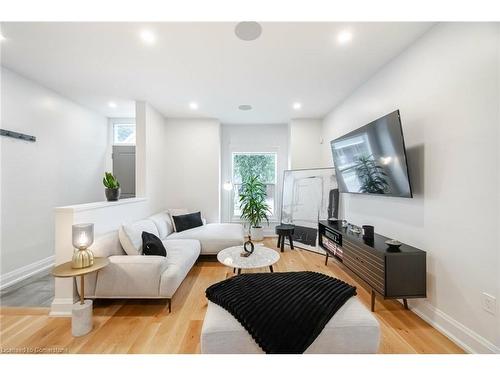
[146,326]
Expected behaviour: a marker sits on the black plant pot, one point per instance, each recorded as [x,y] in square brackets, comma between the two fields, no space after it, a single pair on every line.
[112,194]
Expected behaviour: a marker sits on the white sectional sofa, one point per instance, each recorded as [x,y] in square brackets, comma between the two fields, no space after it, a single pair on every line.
[133,275]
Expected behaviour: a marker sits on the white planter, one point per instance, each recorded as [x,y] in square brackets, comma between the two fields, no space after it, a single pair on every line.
[257,234]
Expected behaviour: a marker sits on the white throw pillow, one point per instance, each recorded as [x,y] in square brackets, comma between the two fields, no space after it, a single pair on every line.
[163,223]
[131,235]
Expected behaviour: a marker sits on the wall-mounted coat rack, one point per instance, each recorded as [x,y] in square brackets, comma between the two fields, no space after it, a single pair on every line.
[16,135]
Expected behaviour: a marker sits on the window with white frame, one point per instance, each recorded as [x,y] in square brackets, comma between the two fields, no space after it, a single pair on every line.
[123,133]
[246,164]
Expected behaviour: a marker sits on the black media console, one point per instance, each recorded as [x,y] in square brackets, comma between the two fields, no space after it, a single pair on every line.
[390,273]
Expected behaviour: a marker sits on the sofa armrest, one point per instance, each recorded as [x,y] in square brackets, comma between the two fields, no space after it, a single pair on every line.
[131,276]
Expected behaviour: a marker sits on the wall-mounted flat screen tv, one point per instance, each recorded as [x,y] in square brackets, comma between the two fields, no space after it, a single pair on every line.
[372,159]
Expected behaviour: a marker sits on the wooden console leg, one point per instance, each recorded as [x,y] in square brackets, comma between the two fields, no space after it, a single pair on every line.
[405,303]
[326,259]
[169,300]
[373,300]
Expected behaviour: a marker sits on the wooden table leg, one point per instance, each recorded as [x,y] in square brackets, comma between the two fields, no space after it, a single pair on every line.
[405,302]
[326,259]
[239,271]
[373,300]
[291,242]
[82,290]
[279,242]
[282,244]
[271,268]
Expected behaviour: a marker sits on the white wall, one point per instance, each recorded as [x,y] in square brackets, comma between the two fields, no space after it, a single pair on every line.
[447,88]
[152,154]
[498,201]
[305,143]
[191,165]
[253,138]
[64,166]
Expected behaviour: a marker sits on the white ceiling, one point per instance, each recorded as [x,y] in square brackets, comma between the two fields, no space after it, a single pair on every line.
[95,63]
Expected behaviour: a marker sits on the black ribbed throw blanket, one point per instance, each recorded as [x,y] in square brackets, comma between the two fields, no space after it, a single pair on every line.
[284,312]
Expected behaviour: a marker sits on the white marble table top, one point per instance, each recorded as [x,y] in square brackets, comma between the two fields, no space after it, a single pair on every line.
[261,257]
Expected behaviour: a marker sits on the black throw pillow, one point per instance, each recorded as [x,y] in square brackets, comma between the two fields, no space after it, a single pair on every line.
[152,245]
[188,221]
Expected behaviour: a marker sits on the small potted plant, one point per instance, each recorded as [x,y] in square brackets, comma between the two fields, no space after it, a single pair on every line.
[253,206]
[112,187]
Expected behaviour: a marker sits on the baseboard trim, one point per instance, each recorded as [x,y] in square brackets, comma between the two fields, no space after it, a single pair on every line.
[20,274]
[61,307]
[464,337]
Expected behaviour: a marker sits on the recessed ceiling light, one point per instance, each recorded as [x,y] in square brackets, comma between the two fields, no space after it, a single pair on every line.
[297,106]
[245,107]
[248,31]
[148,37]
[193,106]
[344,37]
[112,105]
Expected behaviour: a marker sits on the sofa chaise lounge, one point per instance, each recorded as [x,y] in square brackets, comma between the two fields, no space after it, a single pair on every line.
[133,275]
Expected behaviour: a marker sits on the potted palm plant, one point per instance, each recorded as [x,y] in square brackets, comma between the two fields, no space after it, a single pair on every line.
[254,208]
[112,186]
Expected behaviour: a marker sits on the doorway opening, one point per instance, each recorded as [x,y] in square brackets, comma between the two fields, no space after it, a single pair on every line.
[123,154]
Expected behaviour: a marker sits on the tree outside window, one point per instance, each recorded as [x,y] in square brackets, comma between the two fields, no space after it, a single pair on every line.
[262,165]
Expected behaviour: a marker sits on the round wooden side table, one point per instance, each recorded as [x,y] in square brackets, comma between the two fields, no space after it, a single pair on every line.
[81,314]
[283,231]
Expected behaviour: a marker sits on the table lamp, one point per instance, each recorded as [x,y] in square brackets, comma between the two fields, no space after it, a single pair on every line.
[83,237]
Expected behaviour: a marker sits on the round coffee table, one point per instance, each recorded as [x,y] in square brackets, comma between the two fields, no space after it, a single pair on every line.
[261,257]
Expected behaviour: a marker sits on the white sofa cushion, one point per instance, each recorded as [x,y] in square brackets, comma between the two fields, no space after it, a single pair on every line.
[181,256]
[164,224]
[353,329]
[107,244]
[213,237]
[131,235]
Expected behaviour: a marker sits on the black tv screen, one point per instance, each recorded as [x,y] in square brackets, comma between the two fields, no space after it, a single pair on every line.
[372,159]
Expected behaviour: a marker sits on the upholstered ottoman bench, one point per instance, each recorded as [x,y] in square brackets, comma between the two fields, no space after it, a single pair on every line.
[353,329]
